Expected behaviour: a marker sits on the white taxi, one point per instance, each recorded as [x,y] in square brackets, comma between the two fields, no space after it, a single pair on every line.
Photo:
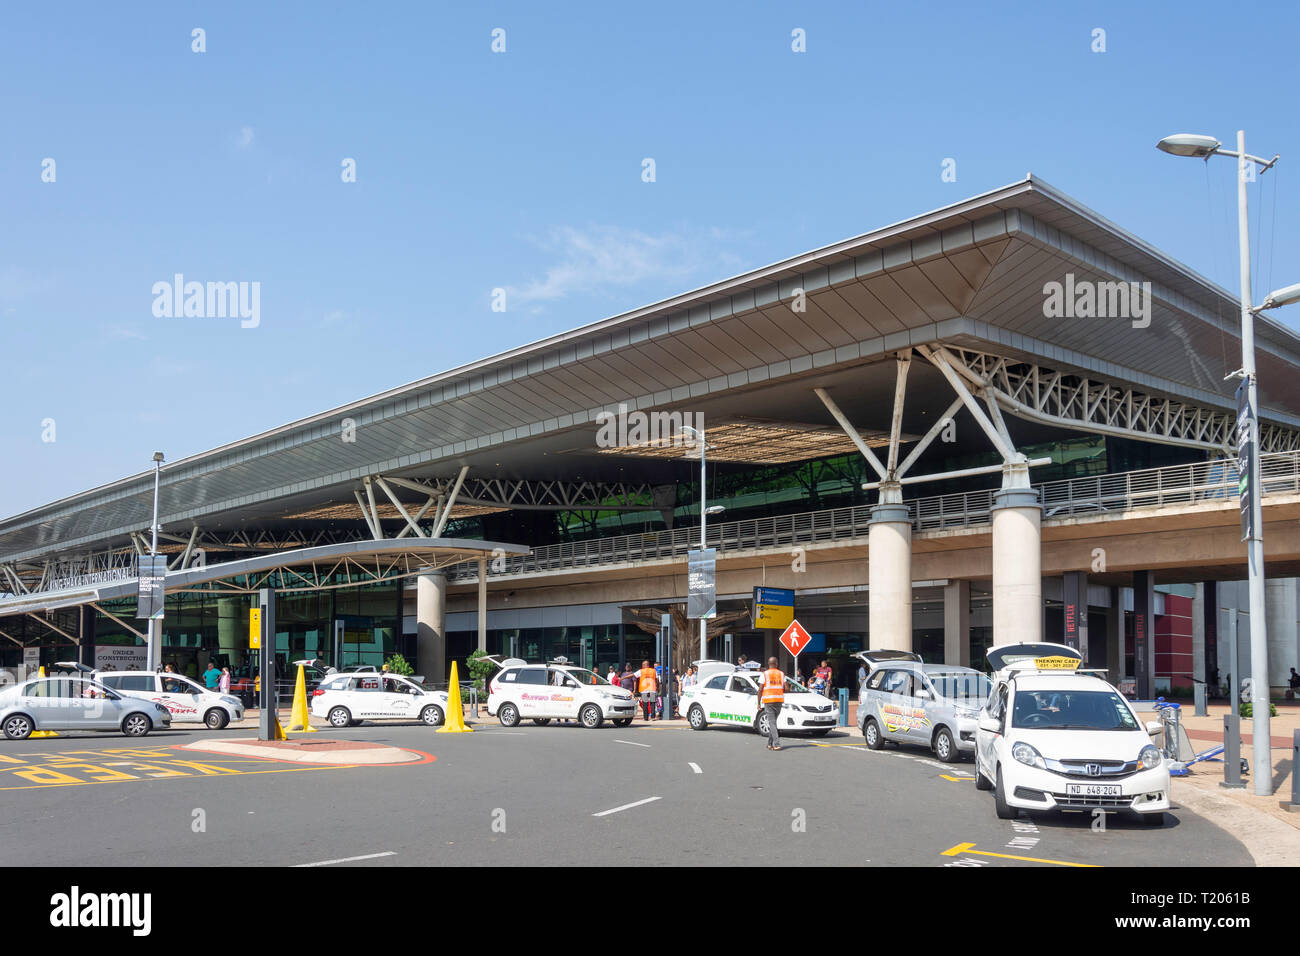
[345,700]
[728,695]
[187,700]
[1054,737]
[557,691]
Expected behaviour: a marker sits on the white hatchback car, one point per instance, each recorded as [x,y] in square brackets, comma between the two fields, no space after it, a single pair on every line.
[729,696]
[347,699]
[545,692]
[1052,737]
[187,700]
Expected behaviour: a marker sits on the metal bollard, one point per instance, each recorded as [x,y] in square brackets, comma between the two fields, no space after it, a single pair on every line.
[1199,696]
[1232,753]
[1294,805]
[844,706]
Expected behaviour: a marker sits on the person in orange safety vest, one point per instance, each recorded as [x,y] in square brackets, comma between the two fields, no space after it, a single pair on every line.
[771,696]
[647,685]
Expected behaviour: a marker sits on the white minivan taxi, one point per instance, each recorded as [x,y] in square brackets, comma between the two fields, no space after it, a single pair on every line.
[187,700]
[557,691]
[1054,737]
[347,699]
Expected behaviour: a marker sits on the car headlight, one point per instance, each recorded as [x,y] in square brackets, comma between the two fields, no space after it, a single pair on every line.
[971,712]
[231,701]
[1148,758]
[1026,754]
[161,709]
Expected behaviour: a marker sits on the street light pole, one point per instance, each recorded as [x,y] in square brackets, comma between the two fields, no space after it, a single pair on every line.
[1203,147]
[704,513]
[154,649]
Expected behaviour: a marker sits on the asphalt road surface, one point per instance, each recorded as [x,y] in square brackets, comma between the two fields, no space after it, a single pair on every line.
[554,796]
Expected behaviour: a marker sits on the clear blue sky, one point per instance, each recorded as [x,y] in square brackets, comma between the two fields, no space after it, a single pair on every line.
[523,170]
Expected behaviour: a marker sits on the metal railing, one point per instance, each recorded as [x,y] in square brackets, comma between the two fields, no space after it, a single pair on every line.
[1075,497]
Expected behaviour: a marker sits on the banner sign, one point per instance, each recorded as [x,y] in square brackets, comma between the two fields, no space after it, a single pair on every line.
[773,607]
[151,569]
[125,657]
[1245,458]
[701,579]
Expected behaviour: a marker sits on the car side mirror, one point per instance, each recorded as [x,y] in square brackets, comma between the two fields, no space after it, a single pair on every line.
[990,724]
[1154,727]
[923,693]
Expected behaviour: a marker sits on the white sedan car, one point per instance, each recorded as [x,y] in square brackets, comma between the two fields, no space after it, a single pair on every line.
[347,699]
[1052,738]
[729,697]
[187,700]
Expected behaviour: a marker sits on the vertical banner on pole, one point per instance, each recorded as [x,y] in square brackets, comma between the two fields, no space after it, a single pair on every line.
[1144,605]
[701,593]
[1075,612]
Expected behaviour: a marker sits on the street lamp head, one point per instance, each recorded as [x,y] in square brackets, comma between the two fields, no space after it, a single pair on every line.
[1288,296]
[714,509]
[1189,144]
[158,456]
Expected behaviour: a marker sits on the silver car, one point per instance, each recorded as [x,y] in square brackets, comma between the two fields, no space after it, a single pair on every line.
[932,705]
[76,703]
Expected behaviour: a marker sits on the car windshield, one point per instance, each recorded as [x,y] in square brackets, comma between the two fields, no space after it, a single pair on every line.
[1072,710]
[584,676]
[966,688]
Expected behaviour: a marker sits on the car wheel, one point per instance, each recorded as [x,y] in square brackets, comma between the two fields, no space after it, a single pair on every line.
[18,727]
[137,725]
[541,721]
[696,718]
[216,718]
[508,715]
[981,781]
[871,734]
[340,717]
[591,717]
[1004,810]
[1153,819]
[944,748]
[432,715]
[760,724]
[622,721]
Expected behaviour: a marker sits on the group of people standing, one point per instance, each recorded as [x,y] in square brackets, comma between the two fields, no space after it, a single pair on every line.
[646,685]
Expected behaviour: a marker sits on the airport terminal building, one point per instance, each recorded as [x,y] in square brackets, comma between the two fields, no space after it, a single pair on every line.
[1006,419]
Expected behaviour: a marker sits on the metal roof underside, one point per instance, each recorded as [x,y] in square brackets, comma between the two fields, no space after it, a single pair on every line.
[971,274]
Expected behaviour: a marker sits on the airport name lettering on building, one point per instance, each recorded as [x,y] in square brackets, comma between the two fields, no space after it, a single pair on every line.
[210,300]
[660,429]
[1086,299]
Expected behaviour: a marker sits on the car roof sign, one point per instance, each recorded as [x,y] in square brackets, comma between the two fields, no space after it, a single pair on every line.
[1034,655]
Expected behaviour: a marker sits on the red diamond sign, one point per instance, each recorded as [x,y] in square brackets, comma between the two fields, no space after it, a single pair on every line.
[794,638]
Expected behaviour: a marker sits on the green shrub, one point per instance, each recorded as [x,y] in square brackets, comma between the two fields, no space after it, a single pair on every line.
[397,665]
[1248,710]
[479,669]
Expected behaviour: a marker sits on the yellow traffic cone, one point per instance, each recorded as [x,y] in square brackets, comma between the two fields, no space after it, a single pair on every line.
[300,717]
[277,731]
[455,722]
[43,733]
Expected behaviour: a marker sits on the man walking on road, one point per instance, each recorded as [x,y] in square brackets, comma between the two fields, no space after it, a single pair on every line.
[771,697]
[647,686]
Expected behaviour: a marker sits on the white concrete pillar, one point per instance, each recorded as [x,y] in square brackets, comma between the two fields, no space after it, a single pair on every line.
[889,572]
[431,626]
[482,605]
[1017,559]
[1280,602]
[956,623]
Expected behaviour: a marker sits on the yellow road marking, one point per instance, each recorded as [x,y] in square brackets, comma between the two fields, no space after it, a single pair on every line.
[234,773]
[956,779]
[961,848]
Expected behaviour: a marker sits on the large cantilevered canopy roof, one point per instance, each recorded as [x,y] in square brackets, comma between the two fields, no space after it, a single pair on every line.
[970,276]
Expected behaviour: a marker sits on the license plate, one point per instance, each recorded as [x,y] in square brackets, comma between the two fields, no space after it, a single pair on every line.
[1092,790]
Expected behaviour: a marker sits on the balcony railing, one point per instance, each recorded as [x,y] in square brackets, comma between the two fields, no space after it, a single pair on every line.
[1075,497]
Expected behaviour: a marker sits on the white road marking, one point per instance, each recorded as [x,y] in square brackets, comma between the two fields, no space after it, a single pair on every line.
[626,806]
[348,859]
[694,766]
[630,743]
